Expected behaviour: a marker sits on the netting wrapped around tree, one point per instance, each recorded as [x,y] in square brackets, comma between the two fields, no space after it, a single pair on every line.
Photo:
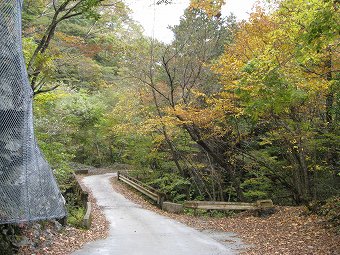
[28,190]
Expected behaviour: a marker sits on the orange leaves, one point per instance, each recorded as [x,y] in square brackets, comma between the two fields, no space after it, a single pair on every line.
[69,39]
[88,49]
[206,118]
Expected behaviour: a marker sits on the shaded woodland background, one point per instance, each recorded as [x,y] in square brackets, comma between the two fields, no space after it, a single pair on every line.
[230,111]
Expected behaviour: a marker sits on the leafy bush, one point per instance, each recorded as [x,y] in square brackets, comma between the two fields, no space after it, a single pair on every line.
[75,216]
[256,188]
[330,209]
[175,187]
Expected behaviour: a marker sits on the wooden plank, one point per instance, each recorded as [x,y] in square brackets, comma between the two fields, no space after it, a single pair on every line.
[138,182]
[213,205]
[222,203]
[141,183]
[264,204]
[226,207]
[152,193]
[190,204]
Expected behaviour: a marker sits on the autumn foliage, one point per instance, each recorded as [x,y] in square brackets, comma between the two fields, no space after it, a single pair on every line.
[230,110]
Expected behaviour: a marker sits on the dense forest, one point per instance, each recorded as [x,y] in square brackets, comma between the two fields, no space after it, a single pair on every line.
[229,111]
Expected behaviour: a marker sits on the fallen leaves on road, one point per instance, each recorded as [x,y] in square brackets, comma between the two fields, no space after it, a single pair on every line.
[289,231]
[68,239]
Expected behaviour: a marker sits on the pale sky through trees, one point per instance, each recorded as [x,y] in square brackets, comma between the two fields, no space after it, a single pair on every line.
[143,12]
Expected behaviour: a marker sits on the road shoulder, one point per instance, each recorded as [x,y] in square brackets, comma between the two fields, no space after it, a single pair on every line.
[288,231]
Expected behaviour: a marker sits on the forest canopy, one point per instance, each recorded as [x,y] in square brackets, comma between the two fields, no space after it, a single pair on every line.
[229,111]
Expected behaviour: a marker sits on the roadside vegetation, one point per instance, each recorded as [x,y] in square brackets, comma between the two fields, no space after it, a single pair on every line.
[229,111]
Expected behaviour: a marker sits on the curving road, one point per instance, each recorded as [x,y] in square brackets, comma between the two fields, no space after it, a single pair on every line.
[136,231]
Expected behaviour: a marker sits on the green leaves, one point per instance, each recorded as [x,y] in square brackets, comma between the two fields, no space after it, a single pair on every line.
[175,187]
[227,111]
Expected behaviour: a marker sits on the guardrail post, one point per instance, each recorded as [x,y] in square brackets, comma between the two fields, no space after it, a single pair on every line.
[87,217]
[264,204]
[160,200]
[118,174]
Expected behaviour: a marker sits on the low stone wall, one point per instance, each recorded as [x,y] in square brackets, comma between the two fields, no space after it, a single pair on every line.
[172,207]
[83,195]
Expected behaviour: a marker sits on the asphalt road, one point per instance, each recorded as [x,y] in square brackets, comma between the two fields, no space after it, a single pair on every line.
[136,231]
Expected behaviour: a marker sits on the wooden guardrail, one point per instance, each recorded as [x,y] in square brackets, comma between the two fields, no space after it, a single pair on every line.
[158,197]
[149,191]
[212,205]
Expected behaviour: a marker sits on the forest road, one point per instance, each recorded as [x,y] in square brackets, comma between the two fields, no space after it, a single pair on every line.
[137,231]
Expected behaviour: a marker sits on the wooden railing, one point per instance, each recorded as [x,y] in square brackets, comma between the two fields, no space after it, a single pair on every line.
[158,197]
[212,205]
[147,190]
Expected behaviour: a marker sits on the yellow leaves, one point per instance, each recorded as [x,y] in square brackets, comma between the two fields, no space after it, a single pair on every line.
[210,7]
[271,67]
[50,96]
[314,85]
[196,93]
[227,104]
[155,123]
[205,118]
[251,39]
[201,117]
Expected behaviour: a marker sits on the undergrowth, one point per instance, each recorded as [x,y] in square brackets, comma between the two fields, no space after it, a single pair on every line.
[330,210]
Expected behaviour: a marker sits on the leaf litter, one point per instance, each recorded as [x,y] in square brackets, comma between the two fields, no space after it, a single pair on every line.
[289,231]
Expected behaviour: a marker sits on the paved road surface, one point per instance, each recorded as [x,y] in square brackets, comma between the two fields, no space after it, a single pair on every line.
[136,231]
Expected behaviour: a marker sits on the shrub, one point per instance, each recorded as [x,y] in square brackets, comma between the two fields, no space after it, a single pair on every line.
[75,216]
[330,209]
[174,186]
